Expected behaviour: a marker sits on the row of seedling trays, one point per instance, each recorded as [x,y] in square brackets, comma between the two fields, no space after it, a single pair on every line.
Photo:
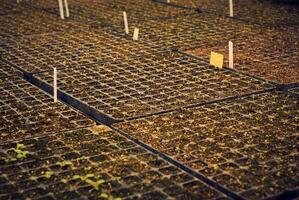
[242,144]
[135,90]
[93,162]
[184,65]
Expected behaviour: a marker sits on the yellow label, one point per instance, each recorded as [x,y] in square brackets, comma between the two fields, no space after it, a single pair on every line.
[216,60]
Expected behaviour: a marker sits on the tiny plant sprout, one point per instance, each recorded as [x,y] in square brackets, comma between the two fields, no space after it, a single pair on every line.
[89,176]
[32,178]
[83,178]
[75,177]
[64,164]
[107,196]
[20,154]
[20,146]
[48,174]
[64,180]
[95,184]
[104,196]
[87,168]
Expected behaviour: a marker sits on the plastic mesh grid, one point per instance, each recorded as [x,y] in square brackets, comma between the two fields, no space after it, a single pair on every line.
[9,8]
[139,81]
[128,170]
[26,111]
[248,144]
[133,88]
[103,12]
[269,53]
[31,23]
[253,11]
[295,90]
[43,52]
[193,31]
[6,70]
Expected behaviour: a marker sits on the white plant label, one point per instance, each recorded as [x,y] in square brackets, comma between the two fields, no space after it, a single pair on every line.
[230,55]
[126,23]
[231,9]
[61,9]
[136,33]
[66,8]
[55,85]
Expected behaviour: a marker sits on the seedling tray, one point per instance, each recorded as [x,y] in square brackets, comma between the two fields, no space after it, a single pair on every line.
[248,144]
[9,8]
[34,23]
[193,31]
[136,88]
[269,53]
[26,111]
[128,171]
[263,13]
[110,12]
[295,90]
[7,71]
[39,53]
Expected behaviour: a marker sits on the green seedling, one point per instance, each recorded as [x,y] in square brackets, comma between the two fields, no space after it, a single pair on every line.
[86,179]
[64,164]
[64,180]
[48,174]
[32,178]
[83,178]
[18,150]
[95,184]
[109,197]
[104,196]
[20,154]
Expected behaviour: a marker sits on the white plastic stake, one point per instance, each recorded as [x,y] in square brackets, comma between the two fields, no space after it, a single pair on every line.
[136,33]
[126,23]
[55,85]
[231,10]
[230,55]
[66,8]
[61,9]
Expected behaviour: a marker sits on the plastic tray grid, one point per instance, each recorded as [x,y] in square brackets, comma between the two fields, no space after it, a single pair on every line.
[128,170]
[26,111]
[43,52]
[135,88]
[248,144]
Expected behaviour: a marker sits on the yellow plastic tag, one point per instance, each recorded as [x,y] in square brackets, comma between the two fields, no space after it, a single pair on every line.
[216,60]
